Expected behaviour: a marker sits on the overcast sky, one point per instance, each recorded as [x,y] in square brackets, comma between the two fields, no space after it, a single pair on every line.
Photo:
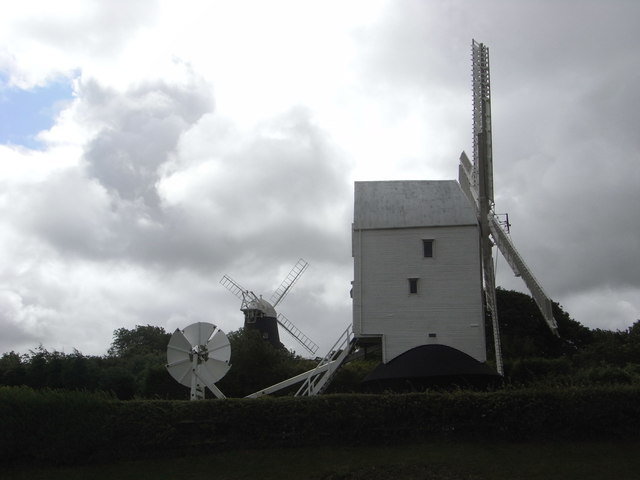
[149,147]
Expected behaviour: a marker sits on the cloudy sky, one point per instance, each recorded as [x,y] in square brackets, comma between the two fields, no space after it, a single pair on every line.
[149,147]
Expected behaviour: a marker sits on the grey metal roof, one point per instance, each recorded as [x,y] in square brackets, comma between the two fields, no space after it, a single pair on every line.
[411,203]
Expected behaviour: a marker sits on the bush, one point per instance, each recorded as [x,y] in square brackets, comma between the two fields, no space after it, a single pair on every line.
[118,381]
[52,426]
[529,370]
[65,427]
[608,375]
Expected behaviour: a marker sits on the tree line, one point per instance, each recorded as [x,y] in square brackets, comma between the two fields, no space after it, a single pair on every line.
[134,365]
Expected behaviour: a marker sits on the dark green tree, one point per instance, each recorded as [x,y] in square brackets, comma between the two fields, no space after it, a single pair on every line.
[12,369]
[633,343]
[56,362]
[140,340]
[256,364]
[606,348]
[78,372]
[37,366]
[157,383]
[524,332]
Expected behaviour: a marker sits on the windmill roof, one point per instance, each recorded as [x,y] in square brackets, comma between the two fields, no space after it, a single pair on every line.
[262,305]
[411,203]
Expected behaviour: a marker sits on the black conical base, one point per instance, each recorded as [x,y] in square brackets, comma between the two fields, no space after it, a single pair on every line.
[431,366]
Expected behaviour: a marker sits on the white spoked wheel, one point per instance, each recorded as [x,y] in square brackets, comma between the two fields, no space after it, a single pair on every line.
[198,357]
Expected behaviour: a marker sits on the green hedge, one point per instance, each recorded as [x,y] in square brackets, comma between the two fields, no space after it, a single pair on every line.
[69,427]
[53,426]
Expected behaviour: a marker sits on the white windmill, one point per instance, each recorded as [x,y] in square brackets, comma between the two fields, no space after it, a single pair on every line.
[476,180]
[198,356]
[261,314]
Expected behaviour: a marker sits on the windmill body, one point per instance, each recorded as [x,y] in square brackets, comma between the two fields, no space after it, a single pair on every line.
[416,268]
[260,315]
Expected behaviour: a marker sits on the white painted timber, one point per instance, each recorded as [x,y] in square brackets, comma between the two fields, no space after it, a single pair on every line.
[391,220]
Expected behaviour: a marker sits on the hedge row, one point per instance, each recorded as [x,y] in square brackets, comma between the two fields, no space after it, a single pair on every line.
[66,427]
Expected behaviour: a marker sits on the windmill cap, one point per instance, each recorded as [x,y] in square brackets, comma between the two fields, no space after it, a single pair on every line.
[262,305]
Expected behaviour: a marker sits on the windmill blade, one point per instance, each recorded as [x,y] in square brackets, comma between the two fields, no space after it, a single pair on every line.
[233,286]
[465,179]
[179,347]
[305,341]
[179,358]
[520,269]
[199,333]
[212,370]
[219,347]
[490,296]
[181,371]
[288,282]
[482,146]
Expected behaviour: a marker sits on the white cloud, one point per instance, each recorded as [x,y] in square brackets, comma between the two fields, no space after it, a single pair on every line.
[44,40]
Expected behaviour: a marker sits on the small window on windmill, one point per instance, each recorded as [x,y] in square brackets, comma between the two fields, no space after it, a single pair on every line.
[250,316]
[427,248]
[413,285]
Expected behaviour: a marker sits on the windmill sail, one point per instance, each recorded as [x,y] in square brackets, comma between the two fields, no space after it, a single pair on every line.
[476,180]
[233,286]
[482,142]
[482,180]
[288,282]
[305,341]
[520,269]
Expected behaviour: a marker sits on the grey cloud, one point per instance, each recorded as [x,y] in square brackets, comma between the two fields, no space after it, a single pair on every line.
[140,130]
[572,182]
[418,47]
[70,211]
[253,196]
[280,185]
[15,334]
[108,207]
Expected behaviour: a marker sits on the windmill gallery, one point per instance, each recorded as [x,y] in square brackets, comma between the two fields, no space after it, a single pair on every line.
[423,273]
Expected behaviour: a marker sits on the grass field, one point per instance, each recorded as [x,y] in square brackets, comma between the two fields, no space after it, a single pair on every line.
[429,461]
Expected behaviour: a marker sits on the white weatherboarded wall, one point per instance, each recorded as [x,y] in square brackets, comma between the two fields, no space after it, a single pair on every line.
[391,220]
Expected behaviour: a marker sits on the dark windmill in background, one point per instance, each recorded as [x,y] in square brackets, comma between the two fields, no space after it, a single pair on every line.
[261,314]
